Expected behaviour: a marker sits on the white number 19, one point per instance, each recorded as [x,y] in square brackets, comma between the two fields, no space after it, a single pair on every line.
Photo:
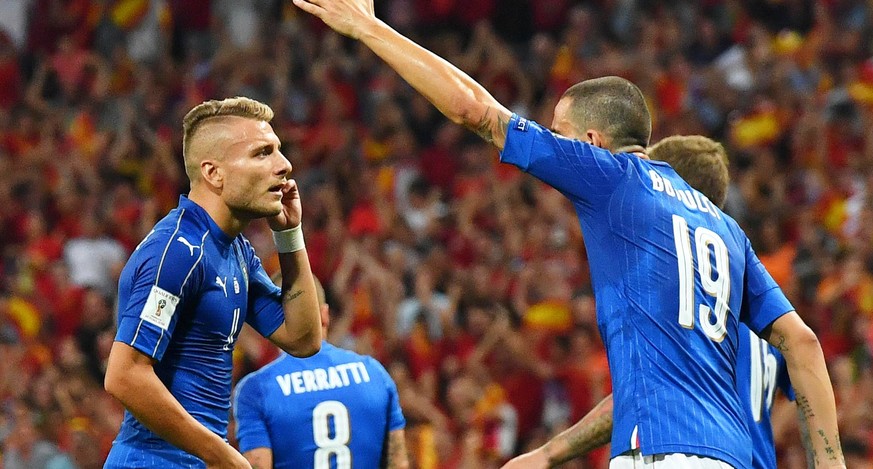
[708,242]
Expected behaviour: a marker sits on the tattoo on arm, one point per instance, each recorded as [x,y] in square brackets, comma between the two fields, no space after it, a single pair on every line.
[597,435]
[593,431]
[780,344]
[830,450]
[811,456]
[804,407]
[289,295]
[486,127]
[397,457]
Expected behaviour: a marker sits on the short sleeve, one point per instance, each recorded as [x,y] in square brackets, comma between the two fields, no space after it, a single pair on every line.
[155,285]
[396,420]
[581,171]
[265,313]
[248,412]
[763,300]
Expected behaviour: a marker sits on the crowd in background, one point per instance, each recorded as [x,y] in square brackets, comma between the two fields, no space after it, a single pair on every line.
[467,279]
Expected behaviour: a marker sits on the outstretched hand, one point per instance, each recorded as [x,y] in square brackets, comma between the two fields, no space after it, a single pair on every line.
[346,17]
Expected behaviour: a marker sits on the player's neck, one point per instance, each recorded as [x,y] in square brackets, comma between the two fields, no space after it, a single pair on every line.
[637,150]
[218,211]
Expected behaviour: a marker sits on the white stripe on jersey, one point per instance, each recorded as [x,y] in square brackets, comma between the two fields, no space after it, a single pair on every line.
[202,242]
[135,335]
[155,351]
[167,247]
[182,288]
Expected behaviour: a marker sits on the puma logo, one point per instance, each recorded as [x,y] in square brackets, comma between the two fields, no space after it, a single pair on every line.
[184,241]
[221,283]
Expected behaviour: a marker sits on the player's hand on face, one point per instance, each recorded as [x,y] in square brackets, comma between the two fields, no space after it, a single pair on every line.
[292,211]
[532,460]
[343,16]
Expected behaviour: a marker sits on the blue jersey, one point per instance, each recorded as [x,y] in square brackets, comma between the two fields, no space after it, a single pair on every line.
[673,276]
[760,370]
[182,299]
[327,411]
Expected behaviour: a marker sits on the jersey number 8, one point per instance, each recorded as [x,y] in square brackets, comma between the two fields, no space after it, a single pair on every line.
[334,445]
[712,258]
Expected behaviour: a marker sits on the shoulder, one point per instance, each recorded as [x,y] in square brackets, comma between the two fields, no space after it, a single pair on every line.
[255,378]
[177,237]
[735,231]
[328,349]
[247,383]
[377,366]
[248,393]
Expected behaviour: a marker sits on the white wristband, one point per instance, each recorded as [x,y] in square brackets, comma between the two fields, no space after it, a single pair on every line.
[290,240]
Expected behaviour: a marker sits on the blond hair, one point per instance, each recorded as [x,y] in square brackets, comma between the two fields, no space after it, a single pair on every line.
[701,161]
[212,109]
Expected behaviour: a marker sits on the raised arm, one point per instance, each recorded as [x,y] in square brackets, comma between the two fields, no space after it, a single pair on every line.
[397,457]
[812,388]
[300,333]
[453,92]
[589,433]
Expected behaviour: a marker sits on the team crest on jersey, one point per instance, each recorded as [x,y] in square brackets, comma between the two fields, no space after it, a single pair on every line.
[159,307]
[235,286]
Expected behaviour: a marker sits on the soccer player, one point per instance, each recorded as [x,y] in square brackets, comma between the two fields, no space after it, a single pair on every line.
[192,282]
[335,409]
[672,274]
[761,369]
[702,162]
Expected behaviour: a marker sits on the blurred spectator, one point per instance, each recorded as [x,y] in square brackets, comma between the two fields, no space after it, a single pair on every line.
[468,281]
[25,448]
[95,260]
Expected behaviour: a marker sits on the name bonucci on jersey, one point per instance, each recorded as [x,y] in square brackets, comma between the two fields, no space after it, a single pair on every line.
[320,379]
[692,199]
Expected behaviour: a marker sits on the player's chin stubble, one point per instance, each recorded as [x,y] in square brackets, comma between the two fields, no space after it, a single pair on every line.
[255,209]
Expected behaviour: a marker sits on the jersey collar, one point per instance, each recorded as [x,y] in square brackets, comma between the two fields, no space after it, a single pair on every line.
[204,219]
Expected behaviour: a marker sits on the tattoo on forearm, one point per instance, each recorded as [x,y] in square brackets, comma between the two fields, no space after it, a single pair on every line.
[830,450]
[804,406]
[485,127]
[780,344]
[596,436]
[592,432]
[811,456]
[289,295]
[397,457]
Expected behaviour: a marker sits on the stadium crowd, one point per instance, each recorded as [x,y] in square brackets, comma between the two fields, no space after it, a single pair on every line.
[464,278]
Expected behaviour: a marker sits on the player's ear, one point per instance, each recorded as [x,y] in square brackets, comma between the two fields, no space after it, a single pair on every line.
[212,173]
[325,316]
[595,138]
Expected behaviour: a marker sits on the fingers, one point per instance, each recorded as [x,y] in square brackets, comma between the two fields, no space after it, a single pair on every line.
[290,185]
[309,7]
